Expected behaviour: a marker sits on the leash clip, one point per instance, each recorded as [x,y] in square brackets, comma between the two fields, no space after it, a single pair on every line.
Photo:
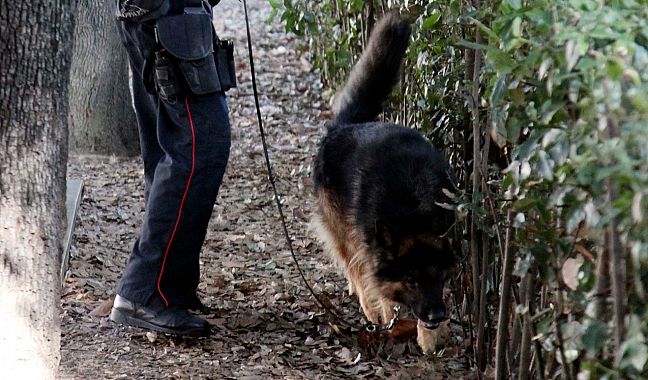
[372,327]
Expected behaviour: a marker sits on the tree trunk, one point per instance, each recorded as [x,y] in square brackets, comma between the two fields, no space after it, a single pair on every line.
[35,50]
[102,119]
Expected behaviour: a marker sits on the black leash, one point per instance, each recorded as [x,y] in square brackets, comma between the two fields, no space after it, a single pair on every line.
[272,178]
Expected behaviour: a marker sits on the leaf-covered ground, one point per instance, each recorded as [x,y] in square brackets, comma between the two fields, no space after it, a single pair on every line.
[265,323]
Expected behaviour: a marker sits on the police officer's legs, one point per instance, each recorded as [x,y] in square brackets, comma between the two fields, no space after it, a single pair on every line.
[194,134]
[185,155]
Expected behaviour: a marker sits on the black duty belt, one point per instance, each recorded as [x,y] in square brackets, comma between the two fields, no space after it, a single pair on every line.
[193,6]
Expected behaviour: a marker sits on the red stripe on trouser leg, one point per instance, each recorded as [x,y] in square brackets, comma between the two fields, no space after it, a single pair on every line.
[184,197]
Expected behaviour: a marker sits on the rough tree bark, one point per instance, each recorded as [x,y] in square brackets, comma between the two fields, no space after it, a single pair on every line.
[102,119]
[34,70]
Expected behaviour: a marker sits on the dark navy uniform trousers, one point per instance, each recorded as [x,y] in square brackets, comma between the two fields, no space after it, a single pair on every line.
[185,147]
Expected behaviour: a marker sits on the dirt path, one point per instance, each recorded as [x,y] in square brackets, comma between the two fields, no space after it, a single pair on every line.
[265,323]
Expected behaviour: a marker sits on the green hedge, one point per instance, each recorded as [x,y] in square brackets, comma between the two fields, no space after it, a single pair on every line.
[550,143]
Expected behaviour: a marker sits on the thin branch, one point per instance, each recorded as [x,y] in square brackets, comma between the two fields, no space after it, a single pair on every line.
[618,273]
[482,349]
[558,313]
[617,257]
[504,307]
[525,344]
[476,132]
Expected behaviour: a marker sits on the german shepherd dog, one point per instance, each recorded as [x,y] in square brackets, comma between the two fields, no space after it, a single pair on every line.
[380,201]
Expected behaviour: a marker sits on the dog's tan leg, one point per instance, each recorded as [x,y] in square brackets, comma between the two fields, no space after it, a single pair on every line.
[387,310]
[352,290]
[367,308]
[347,249]
[427,339]
[359,284]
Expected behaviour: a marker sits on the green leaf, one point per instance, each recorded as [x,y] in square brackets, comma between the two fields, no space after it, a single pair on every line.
[615,69]
[524,150]
[430,22]
[508,181]
[634,353]
[594,337]
[513,129]
[276,4]
[513,4]
[272,16]
[516,27]
[539,16]
[486,29]
[544,325]
[522,266]
[498,125]
[548,111]
[544,167]
[501,61]
[572,54]
[603,33]
[515,43]
[524,204]
[356,6]
[516,95]
[586,63]
[575,218]
[499,89]
[472,45]
[638,100]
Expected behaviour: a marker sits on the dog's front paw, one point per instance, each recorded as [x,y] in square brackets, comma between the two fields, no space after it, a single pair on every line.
[426,339]
[432,340]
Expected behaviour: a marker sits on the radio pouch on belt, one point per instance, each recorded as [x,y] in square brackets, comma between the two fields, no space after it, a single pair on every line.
[224,58]
[166,77]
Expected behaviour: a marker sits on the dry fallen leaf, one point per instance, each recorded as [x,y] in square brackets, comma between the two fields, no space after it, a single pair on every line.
[151,336]
[103,309]
[570,270]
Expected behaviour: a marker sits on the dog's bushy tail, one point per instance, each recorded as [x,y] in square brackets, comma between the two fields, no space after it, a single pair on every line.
[376,73]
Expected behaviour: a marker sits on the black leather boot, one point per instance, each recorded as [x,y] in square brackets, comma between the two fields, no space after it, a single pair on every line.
[158,317]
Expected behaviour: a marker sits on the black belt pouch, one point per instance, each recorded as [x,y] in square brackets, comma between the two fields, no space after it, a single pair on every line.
[189,39]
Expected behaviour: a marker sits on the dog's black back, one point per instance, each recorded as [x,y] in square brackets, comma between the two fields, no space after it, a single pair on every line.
[386,170]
